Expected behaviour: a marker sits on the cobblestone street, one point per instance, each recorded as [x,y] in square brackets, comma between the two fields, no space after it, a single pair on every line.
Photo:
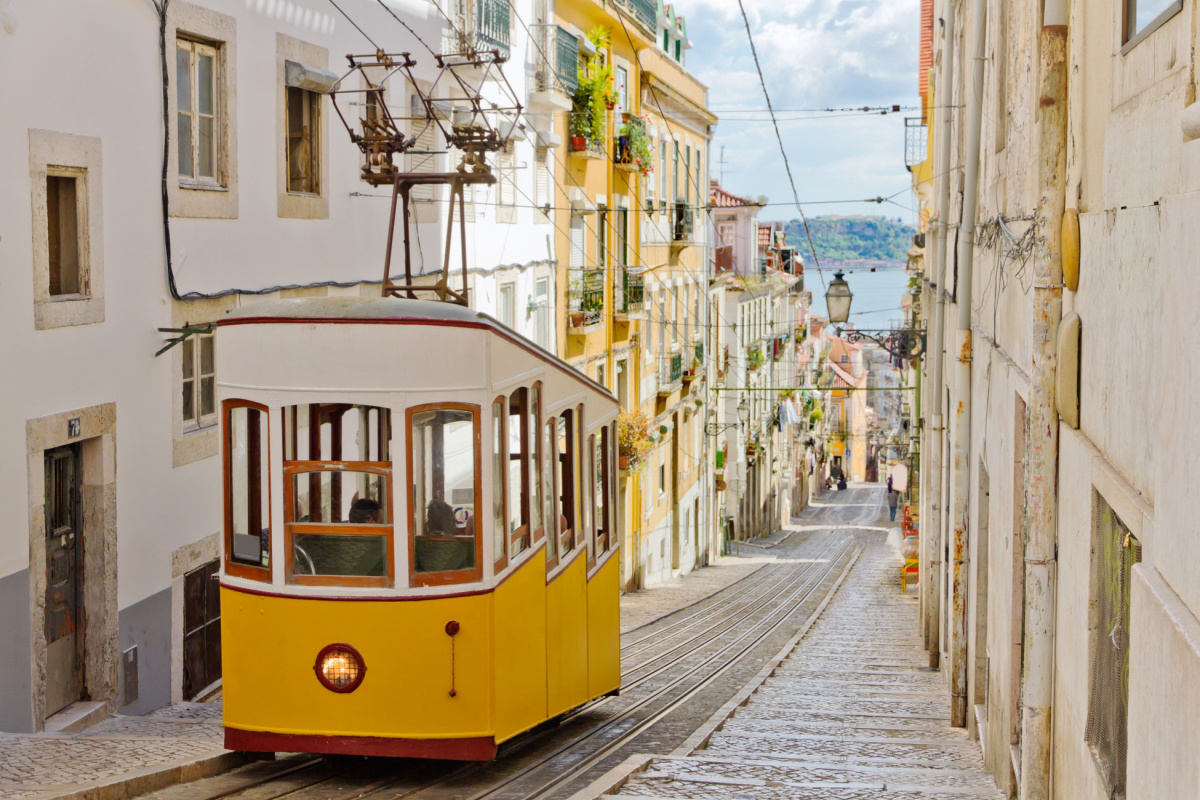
[852,713]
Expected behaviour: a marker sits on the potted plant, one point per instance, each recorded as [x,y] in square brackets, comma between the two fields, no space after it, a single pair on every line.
[633,145]
[633,438]
[594,93]
[754,359]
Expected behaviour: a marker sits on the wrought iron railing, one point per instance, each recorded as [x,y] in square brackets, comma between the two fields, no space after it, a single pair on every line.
[586,299]
[670,372]
[684,222]
[479,25]
[593,146]
[558,61]
[645,12]
[916,141]
[633,293]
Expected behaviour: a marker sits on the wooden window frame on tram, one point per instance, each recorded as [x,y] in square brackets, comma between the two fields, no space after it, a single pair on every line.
[454,577]
[290,529]
[233,568]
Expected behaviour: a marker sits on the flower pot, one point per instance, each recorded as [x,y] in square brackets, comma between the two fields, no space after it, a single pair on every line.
[623,462]
[610,106]
[578,143]
[625,115]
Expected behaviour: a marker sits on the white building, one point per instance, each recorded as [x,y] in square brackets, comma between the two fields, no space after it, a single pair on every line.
[109,478]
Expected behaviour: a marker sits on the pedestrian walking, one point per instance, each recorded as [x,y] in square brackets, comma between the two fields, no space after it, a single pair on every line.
[893,502]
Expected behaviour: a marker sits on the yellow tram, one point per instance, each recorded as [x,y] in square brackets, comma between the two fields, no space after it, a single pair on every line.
[420,530]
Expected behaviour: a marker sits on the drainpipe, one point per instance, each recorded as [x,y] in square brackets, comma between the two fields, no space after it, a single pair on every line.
[1041,473]
[931,523]
[961,453]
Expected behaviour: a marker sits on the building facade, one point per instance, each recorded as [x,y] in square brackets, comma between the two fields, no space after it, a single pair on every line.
[1060,588]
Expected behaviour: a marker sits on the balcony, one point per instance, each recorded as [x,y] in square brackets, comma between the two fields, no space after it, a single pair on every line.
[684,223]
[586,301]
[631,304]
[479,26]
[916,141]
[583,146]
[557,62]
[670,373]
[693,372]
[645,13]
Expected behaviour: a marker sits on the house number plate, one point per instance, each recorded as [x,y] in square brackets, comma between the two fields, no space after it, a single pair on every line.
[73,427]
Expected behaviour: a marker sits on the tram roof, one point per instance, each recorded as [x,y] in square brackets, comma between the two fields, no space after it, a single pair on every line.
[366,309]
[390,310]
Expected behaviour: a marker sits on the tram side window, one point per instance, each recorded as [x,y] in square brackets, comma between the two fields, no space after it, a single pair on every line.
[583,531]
[247,490]
[337,496]
[442,470]
[518,472]
[565,479]
[549,498]
[534,459]
[499,475]
[589,497]
[600,461]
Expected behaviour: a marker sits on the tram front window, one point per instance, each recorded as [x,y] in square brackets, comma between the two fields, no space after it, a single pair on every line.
[337,498]
[443,471]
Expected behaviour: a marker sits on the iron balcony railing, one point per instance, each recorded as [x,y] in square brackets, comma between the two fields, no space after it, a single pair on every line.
[633,293]
[645,12]
[479,25]
[670,372]
[684,222]
[916,141]
[558,61]
[586,299]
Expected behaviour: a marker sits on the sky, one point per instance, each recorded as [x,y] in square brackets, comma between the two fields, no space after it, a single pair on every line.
[815,54]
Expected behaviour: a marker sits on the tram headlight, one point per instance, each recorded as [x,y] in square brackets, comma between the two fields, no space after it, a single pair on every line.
[340,668]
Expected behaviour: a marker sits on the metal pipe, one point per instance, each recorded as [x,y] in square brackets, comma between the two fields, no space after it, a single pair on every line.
[961,488]
[1041,472]
[931,523]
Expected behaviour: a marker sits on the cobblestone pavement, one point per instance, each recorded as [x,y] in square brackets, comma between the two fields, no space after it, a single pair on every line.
[43,766]
[851,714]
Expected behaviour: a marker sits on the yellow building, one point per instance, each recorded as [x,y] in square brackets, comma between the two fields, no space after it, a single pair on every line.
[632,226]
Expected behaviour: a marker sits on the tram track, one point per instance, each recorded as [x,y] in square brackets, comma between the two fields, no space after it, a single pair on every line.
[542,764]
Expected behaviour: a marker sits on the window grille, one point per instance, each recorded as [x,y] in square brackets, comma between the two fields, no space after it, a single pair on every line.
[1114,552]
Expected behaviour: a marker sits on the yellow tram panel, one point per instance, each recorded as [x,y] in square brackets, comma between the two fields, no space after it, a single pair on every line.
[519,606]
[270,685]
[604,628]
[566,638]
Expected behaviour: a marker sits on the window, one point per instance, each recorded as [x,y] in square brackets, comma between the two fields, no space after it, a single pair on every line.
[1114,552]
[197,93]
[499,481]
[247,491]
[446,545]
[1142,17]
[577,255]
[303,141]
[65,221]
[422,156]
[542,178]
[517,454]
[199,382]
[549,498]
[507,175]
[337,471]
[622,227]
[565,480]
[591,478]
[675,171]
[583,530]
[541,320]
[622,90]
[662,173]
[662,472]
[844,359]
[536,488]
[508,305]
[603,477]
[687,174]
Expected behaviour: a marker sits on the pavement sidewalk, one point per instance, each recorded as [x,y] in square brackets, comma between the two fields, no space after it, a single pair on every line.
[118,758]
[852,713]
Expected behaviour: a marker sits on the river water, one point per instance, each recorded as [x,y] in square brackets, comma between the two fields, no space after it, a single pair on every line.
[877,295]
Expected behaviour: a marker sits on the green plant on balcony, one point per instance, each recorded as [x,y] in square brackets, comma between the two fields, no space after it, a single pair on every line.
[595,93]
[633,146]
[754,358]
[633,438]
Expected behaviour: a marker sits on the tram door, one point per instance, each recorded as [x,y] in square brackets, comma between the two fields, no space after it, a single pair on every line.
[201,629]
[64,579]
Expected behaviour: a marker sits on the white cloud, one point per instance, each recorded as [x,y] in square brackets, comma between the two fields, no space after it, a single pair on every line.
[815,54]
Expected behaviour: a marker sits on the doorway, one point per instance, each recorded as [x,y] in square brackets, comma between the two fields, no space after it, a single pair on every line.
[201,630]
[64,579]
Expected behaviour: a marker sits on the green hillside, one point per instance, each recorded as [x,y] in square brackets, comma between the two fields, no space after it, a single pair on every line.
[854,238]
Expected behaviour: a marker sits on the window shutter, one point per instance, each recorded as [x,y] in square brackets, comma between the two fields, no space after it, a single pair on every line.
[577,242]
[422,160]
[508,176]
[542,175]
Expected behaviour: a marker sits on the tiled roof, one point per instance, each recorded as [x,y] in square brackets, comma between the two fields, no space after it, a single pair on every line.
[724,199]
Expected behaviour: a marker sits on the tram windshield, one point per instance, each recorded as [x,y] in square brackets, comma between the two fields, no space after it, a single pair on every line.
[444,483]
[338,507]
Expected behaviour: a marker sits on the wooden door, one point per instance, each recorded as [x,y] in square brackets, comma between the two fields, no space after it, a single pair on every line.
[201,629]
[64,580]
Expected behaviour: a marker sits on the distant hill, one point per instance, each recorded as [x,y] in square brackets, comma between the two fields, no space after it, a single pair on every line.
[853,238]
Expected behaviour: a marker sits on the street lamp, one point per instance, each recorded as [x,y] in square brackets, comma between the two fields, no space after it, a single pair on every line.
[900,342]
[837,299]
[716,429]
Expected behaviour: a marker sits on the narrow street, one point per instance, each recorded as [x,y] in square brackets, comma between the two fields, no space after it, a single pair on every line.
[848,709]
